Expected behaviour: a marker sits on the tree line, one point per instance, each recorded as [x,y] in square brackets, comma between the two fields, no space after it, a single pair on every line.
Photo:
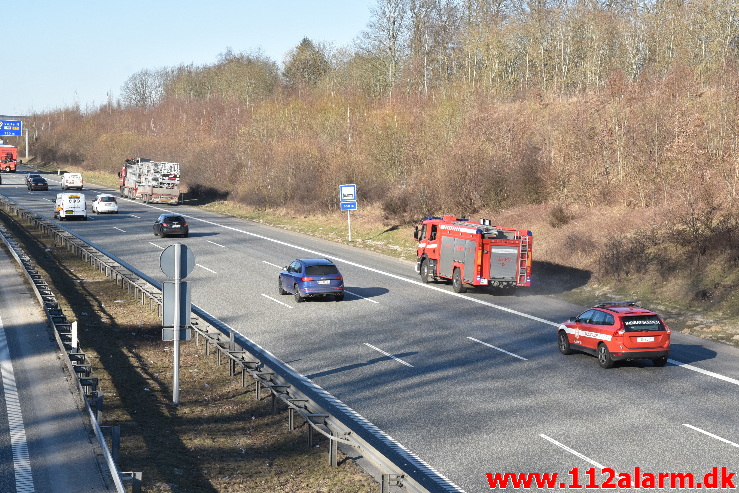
[449,106]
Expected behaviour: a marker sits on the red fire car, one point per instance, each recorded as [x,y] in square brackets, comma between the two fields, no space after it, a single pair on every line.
[617,331]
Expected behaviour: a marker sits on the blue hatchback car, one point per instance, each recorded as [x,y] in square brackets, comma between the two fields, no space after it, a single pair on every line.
[310,277]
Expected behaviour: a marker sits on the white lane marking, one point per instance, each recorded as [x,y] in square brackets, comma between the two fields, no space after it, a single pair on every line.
[388,354]
[216,244]
[705,372]
[18,443]
[363,297]
[119,229]
[159,247]
[203,267]
[574,452]
[134,215]
[273,265]
[712,435]
[277,301]
[497,348]
[436,288]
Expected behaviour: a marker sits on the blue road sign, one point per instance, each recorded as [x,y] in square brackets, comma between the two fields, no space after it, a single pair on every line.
[11,127]
[348,193]
[349,206]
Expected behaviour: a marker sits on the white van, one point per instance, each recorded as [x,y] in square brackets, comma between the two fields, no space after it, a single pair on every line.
[72,180]
[70,206]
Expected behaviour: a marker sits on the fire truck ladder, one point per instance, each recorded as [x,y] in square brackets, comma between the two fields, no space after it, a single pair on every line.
[523,259]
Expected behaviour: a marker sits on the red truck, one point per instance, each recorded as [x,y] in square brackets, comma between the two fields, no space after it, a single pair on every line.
[472,253]
[8,158]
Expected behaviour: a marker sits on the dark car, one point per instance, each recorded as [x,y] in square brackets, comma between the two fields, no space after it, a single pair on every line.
[37,183]
[616,331]
[310,277]
[171,224]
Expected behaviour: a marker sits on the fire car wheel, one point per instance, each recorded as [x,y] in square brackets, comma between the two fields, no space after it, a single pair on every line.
[604,357]
[457,283]
[7,168]
[296,293]
[660,361]
[564,343]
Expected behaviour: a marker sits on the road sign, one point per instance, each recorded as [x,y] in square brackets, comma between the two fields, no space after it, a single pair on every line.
[168,304]
[11,127]
[348,193]
[349,206]
[167,261]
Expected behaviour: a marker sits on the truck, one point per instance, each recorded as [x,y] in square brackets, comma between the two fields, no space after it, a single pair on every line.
[473,253]
[8,158]
[151,181]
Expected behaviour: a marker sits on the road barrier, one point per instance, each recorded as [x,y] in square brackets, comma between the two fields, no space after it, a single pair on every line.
[399,469]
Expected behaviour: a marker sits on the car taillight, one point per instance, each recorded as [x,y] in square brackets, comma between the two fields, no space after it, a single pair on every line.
[185,223]
[306,279]
[339,278]
[165,225]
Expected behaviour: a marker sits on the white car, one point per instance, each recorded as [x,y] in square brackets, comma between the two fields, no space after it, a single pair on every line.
[105,203]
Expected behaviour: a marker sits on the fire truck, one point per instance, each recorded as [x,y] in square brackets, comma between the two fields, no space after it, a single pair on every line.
[472,253]
[8,158]
[151,181]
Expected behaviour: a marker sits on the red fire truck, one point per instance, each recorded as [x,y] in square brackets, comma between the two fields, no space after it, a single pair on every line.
[473,253]
[8,158]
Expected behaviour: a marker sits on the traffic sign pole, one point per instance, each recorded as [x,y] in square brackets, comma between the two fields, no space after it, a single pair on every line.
[177,280]
[349,223]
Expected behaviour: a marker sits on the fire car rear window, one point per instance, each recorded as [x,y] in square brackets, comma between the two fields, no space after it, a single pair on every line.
[321,270]
[643,323]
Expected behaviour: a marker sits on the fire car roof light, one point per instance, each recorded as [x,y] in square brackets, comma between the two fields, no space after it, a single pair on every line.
[606,304]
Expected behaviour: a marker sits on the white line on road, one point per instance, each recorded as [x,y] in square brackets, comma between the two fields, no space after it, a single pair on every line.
[18,443]
[574,452]
[712,435]
[497,348]
[363,297]
[216,244]
[159,247]
[203,267]
[119,229]
[273,265]
[276,301]
[388,354]
[705,372]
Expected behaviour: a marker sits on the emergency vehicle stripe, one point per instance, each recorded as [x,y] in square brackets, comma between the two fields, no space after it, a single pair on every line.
[586,333]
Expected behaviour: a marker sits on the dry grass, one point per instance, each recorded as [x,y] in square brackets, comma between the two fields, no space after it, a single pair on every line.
[219,439]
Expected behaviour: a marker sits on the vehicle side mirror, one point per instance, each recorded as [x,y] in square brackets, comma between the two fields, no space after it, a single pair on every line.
[284,268]
[415,233]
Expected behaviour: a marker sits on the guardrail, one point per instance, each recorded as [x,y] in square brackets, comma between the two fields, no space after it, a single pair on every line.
[323,413]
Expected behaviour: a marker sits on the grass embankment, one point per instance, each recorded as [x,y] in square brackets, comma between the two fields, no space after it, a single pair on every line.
[219,438]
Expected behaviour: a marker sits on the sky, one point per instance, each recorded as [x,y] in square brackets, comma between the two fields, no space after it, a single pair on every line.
[66,52]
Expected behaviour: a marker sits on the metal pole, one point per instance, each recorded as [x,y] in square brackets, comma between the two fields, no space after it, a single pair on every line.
[26,145]
[349,221]
[177,280]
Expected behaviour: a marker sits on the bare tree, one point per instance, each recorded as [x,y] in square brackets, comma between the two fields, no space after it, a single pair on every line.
[144,89]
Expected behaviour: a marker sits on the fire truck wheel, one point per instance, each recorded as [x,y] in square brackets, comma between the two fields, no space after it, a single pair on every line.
[457,283]
[7,169]
[564,343]
[425,272]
